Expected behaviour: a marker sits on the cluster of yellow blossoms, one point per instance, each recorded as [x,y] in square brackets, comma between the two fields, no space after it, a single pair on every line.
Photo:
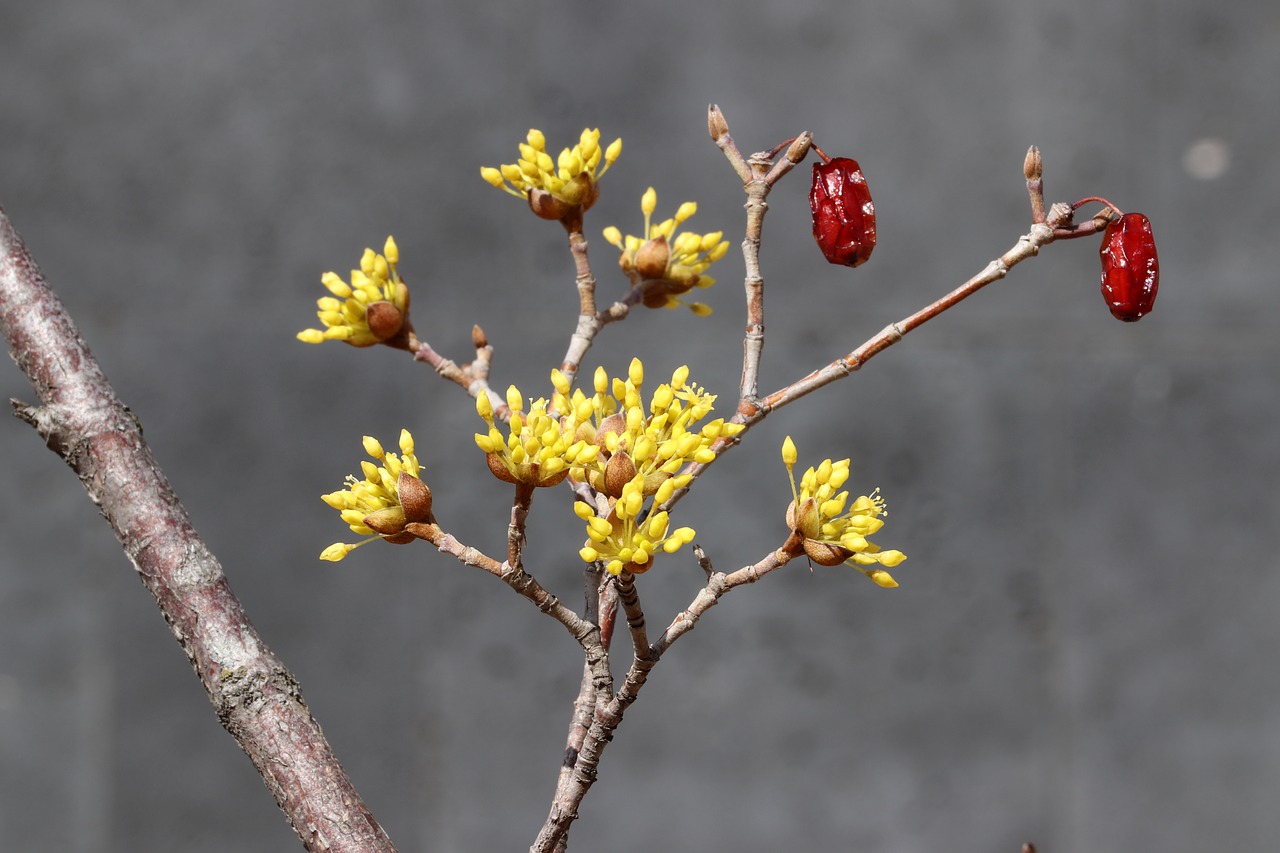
[653,441]
[834,532]
[372,309]
[622,446]
[539,448]
[387,504]
[664,263]
[554,188]
[629,450]
[642,449]
[622,540]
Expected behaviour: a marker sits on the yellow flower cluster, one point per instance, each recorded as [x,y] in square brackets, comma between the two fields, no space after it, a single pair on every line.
[835,532]
[653,441]
[664,263]
[624,542]
[628,449]
[642,449]
[538,450]
[372,309]
[387,503]
[570,178]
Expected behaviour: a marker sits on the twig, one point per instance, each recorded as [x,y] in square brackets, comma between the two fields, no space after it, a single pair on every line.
[256,698]
[564,810]
[1028,245]
[515,530]
[514,576]
[589,324]
[1055,225]
[717,585]
[630,600]
[601,605]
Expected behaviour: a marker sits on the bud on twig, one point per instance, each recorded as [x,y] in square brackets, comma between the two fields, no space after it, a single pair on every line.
[1033,169]
[652,258]
[716,125]
[415,498]
[800,147]
[384,319]
[1033,166]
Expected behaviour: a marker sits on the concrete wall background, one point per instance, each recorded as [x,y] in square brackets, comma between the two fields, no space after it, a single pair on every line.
[1082,651]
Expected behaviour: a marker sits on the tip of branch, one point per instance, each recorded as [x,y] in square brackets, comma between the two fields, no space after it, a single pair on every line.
[478,338]
[716,125]
[798,149]
[1033,168]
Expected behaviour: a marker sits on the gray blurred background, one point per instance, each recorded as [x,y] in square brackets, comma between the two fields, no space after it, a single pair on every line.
[1082,650]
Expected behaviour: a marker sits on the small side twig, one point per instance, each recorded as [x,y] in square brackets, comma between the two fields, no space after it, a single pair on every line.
[515,576]
[589,324]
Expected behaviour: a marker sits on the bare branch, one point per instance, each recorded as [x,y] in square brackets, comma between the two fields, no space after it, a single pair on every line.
[753,409]
[256,698]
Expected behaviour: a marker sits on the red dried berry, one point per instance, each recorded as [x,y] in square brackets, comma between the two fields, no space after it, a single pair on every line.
[1130,268]
[844,217]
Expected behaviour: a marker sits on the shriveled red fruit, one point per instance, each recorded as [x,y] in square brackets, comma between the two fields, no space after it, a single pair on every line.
[1130,268]
[844,217]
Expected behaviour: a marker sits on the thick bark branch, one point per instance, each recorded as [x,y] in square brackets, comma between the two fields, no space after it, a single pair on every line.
[257,700]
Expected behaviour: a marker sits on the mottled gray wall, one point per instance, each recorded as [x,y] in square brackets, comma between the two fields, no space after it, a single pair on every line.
[1082,651]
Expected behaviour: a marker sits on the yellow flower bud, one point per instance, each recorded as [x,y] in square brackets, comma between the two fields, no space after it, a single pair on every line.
[335,285]
[882,578]
[560,382]
[648,201]
[335,552]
